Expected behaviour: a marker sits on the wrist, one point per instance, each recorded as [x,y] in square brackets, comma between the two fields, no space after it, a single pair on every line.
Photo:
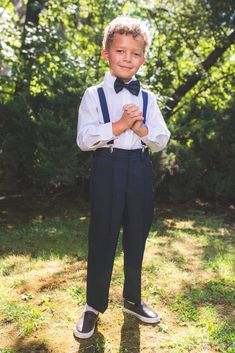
[118,127]
[141,131]
[144,131]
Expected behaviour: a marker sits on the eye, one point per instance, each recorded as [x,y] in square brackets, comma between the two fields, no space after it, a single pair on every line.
[119,51]
[137,54]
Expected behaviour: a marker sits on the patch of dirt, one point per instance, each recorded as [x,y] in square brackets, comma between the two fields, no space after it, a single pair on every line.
[53,277]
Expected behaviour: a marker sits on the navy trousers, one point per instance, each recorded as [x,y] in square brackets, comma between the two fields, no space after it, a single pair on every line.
[121,196]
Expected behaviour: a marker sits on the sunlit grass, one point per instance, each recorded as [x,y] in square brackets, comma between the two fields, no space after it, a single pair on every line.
[28,317]
[188,276]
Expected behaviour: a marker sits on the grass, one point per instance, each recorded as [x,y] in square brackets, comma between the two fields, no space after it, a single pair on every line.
[188,276]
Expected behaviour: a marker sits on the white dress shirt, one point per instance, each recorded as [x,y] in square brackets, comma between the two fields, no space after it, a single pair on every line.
[93,133]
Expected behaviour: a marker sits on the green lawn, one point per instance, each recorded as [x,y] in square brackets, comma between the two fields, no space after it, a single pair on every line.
[188,277]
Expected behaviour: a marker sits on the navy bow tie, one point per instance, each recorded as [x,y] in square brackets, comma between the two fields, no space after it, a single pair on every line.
[133,86]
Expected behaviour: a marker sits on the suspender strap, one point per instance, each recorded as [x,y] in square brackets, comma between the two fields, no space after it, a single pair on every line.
[104,108]
[103,105]
[145,105]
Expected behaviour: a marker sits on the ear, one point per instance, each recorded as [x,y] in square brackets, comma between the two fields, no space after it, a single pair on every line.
[104,54]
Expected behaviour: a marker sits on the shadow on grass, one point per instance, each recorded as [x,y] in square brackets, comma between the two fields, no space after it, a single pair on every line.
[199,223]
[214,293]
[130,335]
[95,344]
[212,306]
[32,347]
[218,238]
[56,237]
[129,341]
[46,238]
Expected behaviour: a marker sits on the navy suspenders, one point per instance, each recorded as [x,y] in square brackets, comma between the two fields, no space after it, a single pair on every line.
[105,111]
[145,105]
[103,105]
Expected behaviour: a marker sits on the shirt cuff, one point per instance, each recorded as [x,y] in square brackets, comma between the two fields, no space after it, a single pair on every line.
[156,141]
[104,134]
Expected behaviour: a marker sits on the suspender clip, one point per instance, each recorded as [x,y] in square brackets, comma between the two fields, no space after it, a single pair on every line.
[143,148]
[111,149]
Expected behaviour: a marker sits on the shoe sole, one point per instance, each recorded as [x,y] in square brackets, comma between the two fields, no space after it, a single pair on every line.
[83,335]
[148,320]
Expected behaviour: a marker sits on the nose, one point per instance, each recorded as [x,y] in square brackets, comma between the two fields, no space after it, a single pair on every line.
[127,56]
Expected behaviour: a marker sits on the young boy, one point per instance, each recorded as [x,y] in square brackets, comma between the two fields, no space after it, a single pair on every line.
[120,122]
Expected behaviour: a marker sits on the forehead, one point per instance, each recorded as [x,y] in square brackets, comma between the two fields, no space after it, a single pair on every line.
[128,41]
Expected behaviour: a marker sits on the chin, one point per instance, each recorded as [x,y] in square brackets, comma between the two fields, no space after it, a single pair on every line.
[125,77]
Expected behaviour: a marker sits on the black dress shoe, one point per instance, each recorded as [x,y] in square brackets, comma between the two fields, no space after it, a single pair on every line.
[86,324]
[142,312]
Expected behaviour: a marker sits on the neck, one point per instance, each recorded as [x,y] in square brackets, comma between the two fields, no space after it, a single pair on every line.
[125,80]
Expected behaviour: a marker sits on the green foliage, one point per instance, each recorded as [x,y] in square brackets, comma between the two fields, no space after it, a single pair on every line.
[215,292]
[27,318]
[17,142]
[78,293]
[225,336]
[50,56]
[45,239]
[203,150]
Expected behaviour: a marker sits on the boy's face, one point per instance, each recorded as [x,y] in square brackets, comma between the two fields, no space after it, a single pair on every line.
[125,55]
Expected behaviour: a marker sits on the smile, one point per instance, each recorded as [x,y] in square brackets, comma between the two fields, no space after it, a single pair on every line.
[125,67]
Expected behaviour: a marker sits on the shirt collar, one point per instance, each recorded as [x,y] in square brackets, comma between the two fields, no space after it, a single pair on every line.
[110,79]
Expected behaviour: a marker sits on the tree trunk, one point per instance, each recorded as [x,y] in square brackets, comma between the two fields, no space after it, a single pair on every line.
[192,80]
[33,10]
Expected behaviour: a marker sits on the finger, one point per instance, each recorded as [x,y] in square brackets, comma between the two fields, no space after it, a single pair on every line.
[138,118]
[131,107]
[127,106]
[136,113]
[136,123]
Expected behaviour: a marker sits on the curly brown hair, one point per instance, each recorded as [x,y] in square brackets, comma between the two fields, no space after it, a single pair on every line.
[126,25]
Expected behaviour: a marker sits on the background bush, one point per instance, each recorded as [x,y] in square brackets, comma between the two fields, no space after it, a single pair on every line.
[50,53]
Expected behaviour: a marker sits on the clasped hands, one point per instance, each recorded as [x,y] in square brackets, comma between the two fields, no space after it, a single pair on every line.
[132,118]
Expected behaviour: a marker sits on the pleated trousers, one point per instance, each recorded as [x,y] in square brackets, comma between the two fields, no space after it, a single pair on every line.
[121,196]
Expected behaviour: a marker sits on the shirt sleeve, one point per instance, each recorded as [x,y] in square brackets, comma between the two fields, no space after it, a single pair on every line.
[91,134]
[158,133]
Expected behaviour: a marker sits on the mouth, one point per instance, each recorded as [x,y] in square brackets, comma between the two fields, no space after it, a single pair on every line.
[125,68]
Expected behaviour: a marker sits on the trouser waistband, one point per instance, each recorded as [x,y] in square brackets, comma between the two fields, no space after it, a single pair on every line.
[121,152]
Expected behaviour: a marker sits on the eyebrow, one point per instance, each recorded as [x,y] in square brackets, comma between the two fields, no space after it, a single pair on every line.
[124,47]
